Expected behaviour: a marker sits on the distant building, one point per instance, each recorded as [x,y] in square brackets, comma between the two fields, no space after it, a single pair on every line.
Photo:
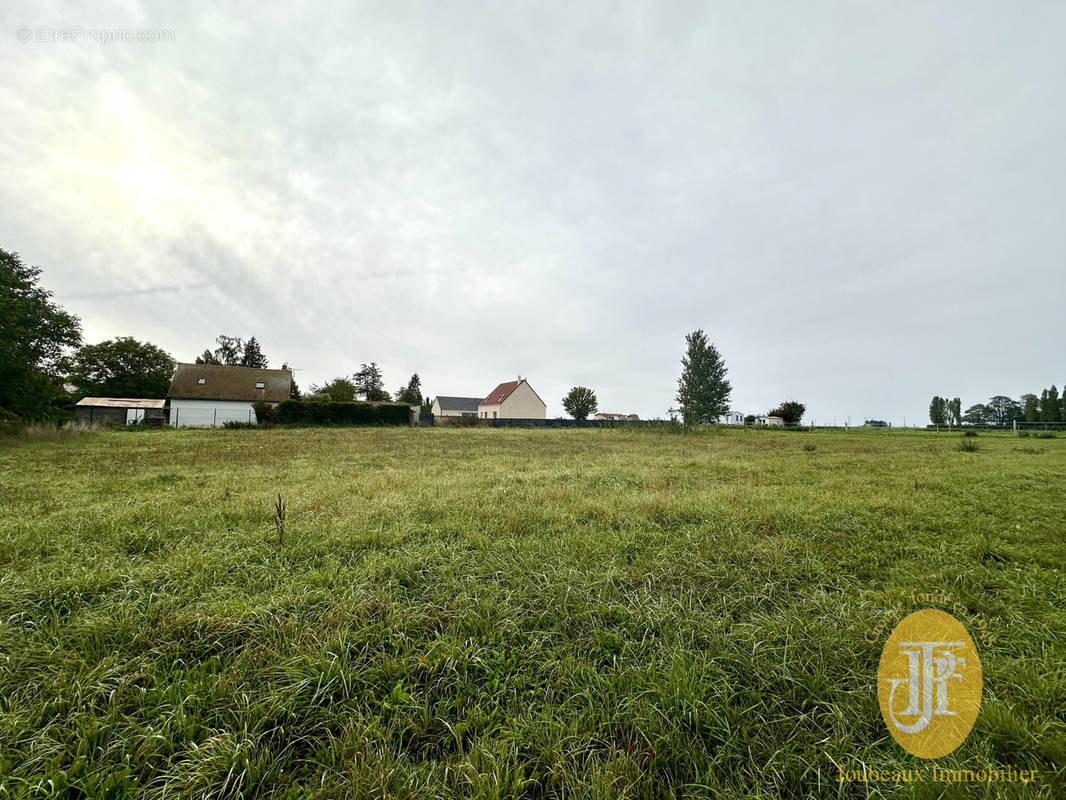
[512,400]
[616,417]
[732,418]
[121,410]
[455,406]
[771,421]
[210,394]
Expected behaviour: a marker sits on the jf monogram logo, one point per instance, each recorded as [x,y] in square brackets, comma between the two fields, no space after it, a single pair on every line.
[929,683]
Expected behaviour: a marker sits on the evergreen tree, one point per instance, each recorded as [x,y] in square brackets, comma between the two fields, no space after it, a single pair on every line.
[253,355]
[369,383]
[702,390]
[411,393]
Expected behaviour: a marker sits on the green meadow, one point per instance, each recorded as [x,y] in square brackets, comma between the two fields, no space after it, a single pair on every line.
[495,613]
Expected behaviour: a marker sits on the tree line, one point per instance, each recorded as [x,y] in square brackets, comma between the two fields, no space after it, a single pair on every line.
[45,367]
[1000,409]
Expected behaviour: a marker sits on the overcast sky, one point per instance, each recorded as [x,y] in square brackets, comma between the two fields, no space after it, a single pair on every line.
[860,203]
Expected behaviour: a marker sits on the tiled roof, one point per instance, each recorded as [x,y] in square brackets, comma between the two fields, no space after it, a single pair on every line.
[500,393]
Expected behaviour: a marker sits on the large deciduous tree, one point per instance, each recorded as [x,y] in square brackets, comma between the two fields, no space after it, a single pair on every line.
[34,331]
[1050,411]
[1004,410]
[121,367]
[938,410]
[790,411]
[340,390]
[702,390]
[580,402]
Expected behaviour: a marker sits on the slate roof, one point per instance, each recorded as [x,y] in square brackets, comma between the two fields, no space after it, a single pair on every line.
[458,403]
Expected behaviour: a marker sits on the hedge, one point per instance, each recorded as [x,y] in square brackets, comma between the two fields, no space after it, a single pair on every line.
[305,413]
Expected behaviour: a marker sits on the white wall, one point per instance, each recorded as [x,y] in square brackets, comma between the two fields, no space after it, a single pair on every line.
[522,403]
[184,413]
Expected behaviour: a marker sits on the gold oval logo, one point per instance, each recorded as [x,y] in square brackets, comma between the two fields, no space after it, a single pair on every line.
[929,683]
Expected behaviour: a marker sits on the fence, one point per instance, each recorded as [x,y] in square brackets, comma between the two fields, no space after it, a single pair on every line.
[209,417]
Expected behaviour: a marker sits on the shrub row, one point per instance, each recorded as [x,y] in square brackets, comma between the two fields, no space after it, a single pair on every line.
[299,412]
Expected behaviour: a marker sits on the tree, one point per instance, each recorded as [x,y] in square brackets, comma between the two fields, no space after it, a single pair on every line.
[938,411]
[207,357]
[253,355]
[954,409]
[340,390]
[230,350]
[1003,410]
[121,367]
[294,392]
[1049,405]
[370,383]
[411,393]
[702,390]
[977,414]
[1030,408]
[790,411]
[34,331]
[580,402]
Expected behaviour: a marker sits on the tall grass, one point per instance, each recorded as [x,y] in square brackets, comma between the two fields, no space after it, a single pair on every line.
[510,613]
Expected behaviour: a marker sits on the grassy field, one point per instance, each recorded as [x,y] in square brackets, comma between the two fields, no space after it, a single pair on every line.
[513,613]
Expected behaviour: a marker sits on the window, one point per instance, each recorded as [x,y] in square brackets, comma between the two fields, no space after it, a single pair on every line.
[201,381]
[260,385]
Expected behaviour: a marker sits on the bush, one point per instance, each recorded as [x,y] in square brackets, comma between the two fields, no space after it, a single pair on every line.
[237,424]
[265,413]
[970,433]
[298,412]
[967,446]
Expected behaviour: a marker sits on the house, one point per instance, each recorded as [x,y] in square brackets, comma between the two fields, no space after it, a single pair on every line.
[771,421]
[512,400]
[732,418]
[121,410]
[456,406]
[616,417]
[210,394]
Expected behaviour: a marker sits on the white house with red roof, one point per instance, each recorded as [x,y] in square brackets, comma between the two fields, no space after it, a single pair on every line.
[512,400]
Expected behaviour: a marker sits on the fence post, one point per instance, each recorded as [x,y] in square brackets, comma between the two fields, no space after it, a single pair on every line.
[1015,422]
[214,417]
[177,416]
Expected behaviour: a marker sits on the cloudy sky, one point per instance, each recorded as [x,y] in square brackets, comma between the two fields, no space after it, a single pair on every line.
[860,203]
